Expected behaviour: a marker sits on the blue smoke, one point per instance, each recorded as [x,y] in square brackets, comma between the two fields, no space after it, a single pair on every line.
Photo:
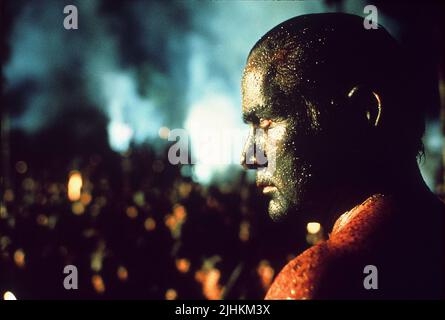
[144,65]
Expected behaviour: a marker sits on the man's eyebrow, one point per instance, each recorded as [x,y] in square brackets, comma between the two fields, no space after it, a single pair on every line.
[255,114]
[250,116]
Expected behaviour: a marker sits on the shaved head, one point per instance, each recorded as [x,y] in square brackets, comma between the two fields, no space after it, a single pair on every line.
[327,92]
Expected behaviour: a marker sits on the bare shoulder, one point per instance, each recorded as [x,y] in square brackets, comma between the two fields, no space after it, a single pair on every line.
[299,278]
[330,265]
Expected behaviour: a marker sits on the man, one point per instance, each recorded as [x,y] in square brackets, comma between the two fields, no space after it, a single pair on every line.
[333,108]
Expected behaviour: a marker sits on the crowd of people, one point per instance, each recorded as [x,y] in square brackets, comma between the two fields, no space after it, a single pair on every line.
[135,227]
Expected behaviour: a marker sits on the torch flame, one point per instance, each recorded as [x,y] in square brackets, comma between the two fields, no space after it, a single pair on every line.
[74,185]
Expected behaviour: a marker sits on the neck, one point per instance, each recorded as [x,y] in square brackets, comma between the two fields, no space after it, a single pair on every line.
[400,180]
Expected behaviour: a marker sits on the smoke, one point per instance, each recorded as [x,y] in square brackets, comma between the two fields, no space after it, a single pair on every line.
[95,67]
[145,65]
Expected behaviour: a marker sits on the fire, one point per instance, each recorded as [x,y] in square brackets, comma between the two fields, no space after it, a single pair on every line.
[171,294]
[244,232]
[122,273]
[19,258]
[98,283]
[266,273]
[176,219]
[313,227]
[209,280]
[150,224]
[183,265]
[8,295]
[74,185]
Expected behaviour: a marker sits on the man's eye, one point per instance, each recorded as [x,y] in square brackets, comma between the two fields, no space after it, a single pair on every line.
[264,123]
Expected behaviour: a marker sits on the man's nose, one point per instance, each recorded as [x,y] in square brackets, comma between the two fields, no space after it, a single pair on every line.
[252,156]
[248,159]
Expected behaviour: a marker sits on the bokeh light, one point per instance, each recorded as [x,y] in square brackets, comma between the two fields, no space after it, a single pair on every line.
[74,185]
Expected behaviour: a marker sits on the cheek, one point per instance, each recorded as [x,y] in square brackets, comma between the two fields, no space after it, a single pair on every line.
[275,145]
[290,170]
[286,162]
[278,136]
[294,174]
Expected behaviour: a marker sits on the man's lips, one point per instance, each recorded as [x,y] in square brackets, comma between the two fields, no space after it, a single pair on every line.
[266,186]
[269,189]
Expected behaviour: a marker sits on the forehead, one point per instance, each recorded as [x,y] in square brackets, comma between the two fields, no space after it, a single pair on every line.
[267,89]
[253,87]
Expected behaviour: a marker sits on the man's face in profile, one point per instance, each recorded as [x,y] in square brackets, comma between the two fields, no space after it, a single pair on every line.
[285,138]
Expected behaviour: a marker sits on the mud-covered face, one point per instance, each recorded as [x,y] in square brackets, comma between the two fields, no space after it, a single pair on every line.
[283,129]
[318,108]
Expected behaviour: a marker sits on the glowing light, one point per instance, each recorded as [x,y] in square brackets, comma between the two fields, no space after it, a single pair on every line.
[96,261]
[210,124]
[3,212]
[52,220]
[150,224]
[8,295]
[175,220]
[353,90]
[164,132]
[8,196]
[4,242]
[119,136]
[266,273]
[203,173]
[434,139]
[122,273]
[74,185]
[132,212]
[183,265]
[314,233]
[180,213]
[85,198]
[171,294]
[210,283]
[184,189]
[97,256]
[19,258]
[171,222]
[78,208]
[244,232]
[98,283]
[139,198]
[313,227]
[379,106]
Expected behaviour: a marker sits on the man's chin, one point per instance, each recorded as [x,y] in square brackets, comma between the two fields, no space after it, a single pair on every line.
[277,212]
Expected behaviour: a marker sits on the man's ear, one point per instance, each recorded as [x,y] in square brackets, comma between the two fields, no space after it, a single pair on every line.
[366,103]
